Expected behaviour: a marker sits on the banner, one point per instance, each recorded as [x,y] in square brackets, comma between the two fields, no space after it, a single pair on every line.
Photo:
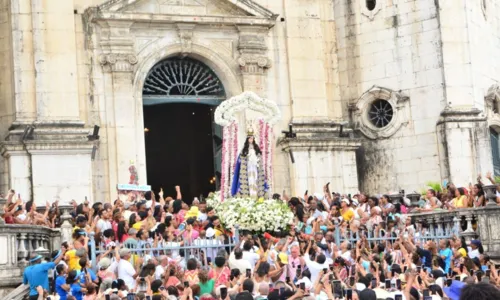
[133,187]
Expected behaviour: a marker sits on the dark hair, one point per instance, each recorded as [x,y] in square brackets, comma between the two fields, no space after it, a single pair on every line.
[247,246]
[374,199]
[248,285]
[320,259]
[263,269]
[120,231]
[118,284]
[147,270]
[433,192]
[245,295]
[177,206]
[131,220]
[78,233]
[436,289]
[192,264]
[235,273]
[244,152]
[80,219]
[480,190]
[60,268]
[479,291]
[29,204]
[72,277]
[220,261]
[172,290]
[461,191]
[306,273]
[168,221]
[108,233]
[147,195]
[142,214]
[83,262]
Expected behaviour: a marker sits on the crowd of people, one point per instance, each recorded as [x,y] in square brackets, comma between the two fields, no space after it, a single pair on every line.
[140,240]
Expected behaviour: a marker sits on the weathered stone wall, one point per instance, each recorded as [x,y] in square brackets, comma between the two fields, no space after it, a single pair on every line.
[322,61]
[395,46]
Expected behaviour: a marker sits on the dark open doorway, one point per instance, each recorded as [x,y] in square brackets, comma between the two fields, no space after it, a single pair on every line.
[179,148]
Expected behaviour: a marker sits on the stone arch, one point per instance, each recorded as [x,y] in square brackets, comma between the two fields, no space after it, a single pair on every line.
[226,69]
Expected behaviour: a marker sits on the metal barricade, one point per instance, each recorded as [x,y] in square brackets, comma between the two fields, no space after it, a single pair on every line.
[435,233]
[203,250]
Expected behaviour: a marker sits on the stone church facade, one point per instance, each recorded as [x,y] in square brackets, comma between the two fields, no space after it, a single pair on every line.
[382,94]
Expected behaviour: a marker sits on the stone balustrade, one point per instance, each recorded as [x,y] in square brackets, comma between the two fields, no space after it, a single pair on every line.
[18,243]
[471,223]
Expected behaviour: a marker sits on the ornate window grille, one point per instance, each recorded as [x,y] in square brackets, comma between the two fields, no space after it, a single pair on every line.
[380,113]
[183,78]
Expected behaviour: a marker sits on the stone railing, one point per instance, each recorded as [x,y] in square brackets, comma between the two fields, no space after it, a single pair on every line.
[471,223]
[17,244]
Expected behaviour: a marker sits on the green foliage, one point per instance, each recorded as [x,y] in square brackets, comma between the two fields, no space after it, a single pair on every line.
[497,179]
[435,186]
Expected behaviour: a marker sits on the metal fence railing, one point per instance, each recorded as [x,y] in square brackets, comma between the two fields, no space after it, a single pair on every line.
[203,250]
[434,232]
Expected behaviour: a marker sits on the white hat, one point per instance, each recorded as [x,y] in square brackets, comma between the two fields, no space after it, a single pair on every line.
[345,200]
[355,202]
[360,286]
[210,232]
[319,196]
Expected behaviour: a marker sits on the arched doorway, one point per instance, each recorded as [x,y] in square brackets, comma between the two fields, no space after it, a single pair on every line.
[183,144]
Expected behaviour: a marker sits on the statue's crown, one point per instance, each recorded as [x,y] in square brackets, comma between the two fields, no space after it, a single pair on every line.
[250,132]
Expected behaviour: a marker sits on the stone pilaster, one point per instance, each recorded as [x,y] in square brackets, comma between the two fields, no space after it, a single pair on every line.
[118,60]
[464,145]
[253,58]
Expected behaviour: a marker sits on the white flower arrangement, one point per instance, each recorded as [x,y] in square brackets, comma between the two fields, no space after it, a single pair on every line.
[225,113]
[250,214]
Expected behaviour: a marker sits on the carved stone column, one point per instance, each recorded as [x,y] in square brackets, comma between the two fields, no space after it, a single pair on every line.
[253,58]
[66,228]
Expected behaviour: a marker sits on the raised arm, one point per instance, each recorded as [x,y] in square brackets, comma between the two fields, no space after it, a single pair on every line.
[179,194]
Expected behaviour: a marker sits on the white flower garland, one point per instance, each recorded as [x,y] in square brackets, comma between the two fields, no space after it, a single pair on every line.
[249,214]
[225,113]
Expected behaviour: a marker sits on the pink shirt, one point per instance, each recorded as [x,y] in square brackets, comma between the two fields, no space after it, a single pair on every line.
[293,264]
[221,278]
[194,235]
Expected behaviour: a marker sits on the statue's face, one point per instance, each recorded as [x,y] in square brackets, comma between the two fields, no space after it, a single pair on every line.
[250,140]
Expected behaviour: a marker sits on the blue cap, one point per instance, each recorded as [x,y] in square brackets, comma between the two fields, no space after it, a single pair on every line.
[38,257]
[57,256]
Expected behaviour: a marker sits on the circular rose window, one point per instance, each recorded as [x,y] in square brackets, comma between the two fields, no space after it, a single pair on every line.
[380,113]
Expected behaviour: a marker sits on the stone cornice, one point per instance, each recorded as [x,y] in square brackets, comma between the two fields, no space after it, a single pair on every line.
[174,19]
[454,115]
[320,144]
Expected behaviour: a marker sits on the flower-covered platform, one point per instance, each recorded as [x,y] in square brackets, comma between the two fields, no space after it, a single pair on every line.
[253,215]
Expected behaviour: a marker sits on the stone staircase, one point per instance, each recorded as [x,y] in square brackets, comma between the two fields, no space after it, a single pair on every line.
[19,293]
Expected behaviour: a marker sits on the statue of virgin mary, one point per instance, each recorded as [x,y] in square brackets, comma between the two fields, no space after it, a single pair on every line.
[249,177]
